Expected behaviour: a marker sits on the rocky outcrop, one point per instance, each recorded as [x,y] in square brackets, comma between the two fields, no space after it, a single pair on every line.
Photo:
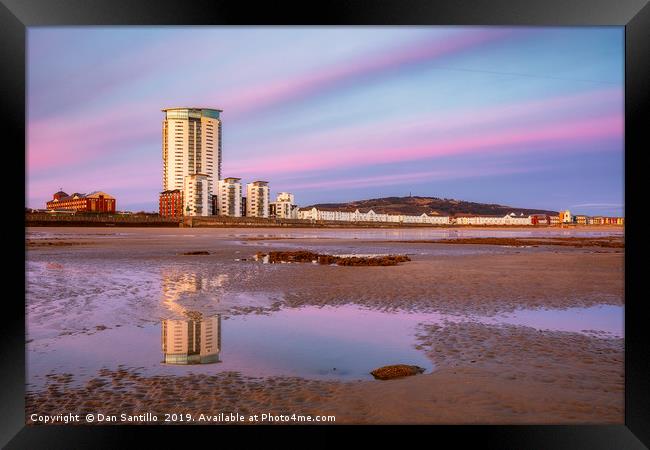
[396,371]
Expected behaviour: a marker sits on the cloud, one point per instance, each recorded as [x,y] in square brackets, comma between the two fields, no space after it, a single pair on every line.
[325,157]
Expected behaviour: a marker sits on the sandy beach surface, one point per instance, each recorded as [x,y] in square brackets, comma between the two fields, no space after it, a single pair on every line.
[509,331]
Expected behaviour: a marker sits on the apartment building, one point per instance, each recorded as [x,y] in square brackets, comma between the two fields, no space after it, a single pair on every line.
[196,195]
[284,206]
[257,199]
[229,197]
[171,203]
[191,144]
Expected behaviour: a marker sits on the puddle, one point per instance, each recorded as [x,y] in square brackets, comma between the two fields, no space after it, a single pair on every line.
[342,343]
[310,342]
[603,319]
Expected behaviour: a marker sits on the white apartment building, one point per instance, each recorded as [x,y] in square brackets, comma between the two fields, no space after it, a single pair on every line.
[191,144]
[257,199]
[194,341]
[284,206]
[509,219]
[370,216]
[229,197]
[196,195]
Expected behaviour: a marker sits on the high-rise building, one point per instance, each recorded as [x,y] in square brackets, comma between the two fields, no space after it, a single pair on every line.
[229,197]
[257,199]
[191,145]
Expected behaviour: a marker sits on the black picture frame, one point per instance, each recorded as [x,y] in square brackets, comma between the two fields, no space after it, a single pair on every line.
[634,15]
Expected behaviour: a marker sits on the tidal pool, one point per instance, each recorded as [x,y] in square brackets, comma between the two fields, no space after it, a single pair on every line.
[342,342]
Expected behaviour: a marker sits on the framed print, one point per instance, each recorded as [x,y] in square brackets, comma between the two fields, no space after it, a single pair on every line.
[397,216]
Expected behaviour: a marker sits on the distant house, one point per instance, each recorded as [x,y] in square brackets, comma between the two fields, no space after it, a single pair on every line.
[565,216]
[540,219]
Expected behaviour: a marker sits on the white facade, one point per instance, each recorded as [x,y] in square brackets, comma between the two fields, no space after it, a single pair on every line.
[191,145]
[229,197]
[509,219]
[285,206]
[196,195]
[257,199]
[194,341]
[371,216]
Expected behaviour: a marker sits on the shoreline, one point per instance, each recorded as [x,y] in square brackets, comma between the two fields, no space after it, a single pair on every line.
[484,374]
[341,225]
[43,220]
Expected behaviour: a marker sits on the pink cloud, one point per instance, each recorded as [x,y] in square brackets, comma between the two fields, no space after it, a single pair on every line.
[362,154]
[402,178]
[415,130]
[59,142]
[280,91]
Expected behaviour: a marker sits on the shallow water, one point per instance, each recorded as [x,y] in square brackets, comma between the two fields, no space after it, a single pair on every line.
[343,343]
[90,307]
[326,233]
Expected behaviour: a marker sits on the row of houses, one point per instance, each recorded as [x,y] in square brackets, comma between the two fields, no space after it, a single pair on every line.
[368,215]
[565,217]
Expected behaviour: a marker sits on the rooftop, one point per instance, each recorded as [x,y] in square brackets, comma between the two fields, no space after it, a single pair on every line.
[191,107]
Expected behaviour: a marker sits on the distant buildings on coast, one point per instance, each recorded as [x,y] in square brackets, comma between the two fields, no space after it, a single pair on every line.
[192,186]
[368,215]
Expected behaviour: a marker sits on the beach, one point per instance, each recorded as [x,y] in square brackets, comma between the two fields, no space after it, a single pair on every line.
[524,328]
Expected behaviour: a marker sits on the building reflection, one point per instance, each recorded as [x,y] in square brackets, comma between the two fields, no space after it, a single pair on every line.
[176,285]
[195,340]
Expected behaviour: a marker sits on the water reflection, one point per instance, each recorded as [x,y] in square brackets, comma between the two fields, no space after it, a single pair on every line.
[195,340]
[177,286]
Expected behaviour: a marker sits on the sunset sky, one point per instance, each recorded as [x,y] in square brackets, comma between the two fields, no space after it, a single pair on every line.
[527,117]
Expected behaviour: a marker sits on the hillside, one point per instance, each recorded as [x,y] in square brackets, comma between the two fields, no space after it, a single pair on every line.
[418,205]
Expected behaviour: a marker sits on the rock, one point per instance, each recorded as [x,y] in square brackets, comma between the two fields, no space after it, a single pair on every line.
[303,256]
[197,252]
[396,371]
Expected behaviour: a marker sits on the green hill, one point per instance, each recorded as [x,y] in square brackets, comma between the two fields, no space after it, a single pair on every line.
[428,205]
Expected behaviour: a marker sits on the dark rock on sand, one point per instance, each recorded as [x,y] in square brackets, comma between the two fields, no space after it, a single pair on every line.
[396,371]
[197,252]
[305,256]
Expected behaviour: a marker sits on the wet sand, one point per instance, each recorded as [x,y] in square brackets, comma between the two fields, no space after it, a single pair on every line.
[484,373]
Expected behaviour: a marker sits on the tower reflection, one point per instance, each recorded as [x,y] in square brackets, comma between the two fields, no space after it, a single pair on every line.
[195,340]
[192,338]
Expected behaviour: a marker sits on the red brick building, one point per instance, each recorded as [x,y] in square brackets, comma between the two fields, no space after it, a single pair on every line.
[97,201]
[171,203]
